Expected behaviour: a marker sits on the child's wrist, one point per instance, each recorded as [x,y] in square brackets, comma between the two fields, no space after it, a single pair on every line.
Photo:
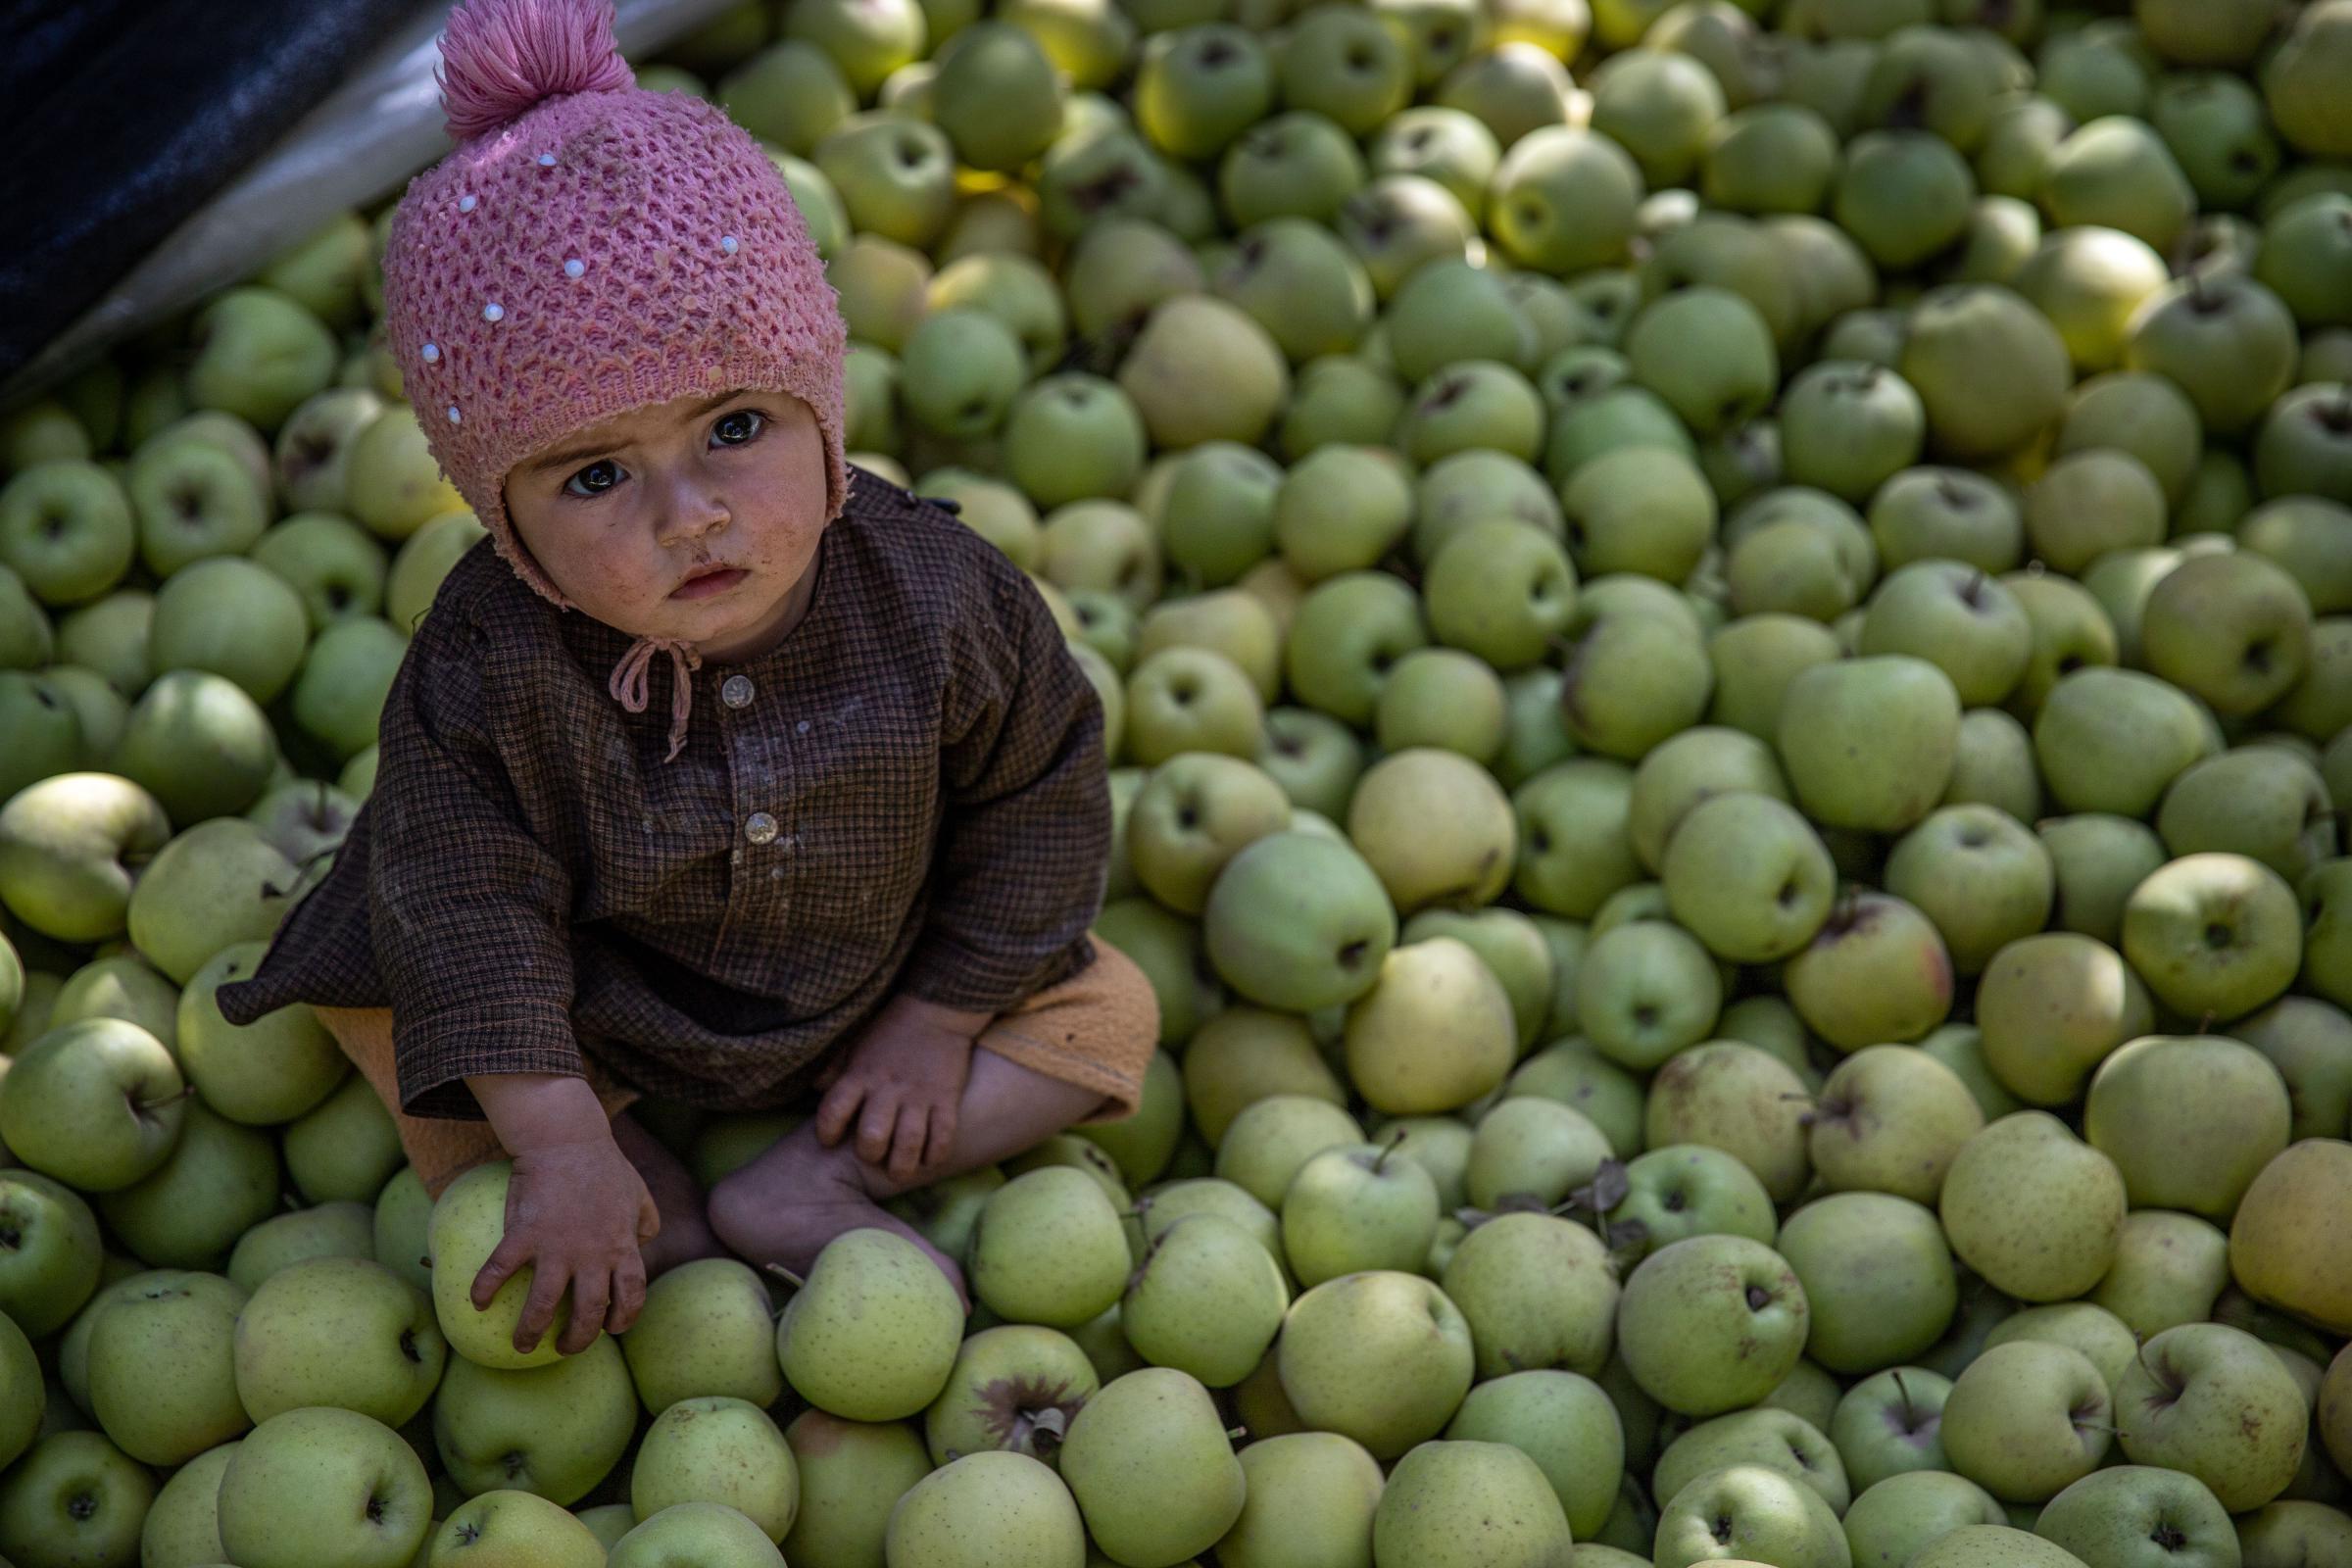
[538,1110]
[910,1009]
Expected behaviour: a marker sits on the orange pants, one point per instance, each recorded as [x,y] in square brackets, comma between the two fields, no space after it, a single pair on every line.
[1097,1029]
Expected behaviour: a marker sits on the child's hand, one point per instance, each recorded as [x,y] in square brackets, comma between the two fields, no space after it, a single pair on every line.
[900,1086]
[577,1215]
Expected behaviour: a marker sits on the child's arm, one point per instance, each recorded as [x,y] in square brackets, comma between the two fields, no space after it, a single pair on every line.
[470,917]
[1016,881]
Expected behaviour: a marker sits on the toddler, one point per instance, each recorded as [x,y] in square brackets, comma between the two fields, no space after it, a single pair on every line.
[730,776]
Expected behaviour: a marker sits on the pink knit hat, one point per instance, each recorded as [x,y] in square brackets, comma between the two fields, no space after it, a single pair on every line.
[589,248]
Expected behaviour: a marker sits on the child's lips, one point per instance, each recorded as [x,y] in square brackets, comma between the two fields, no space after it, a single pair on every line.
[708,581]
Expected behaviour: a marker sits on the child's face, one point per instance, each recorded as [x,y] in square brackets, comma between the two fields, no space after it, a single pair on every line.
[693,519]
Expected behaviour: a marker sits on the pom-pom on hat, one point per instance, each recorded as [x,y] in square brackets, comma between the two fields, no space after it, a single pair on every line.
[589,248]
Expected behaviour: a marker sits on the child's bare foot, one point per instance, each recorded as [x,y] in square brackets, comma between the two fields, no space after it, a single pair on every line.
[686,1233]
[784,1207]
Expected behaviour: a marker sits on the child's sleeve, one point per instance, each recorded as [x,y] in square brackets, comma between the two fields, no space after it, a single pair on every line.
[469,910]
[1025,825]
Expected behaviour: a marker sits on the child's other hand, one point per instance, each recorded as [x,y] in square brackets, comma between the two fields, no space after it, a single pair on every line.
[577,1213]
[898,1086]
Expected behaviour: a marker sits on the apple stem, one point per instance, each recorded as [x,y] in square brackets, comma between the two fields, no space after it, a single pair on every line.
[1388,1148]
[1236,1433]
[785,1274]
[177,1095]
[2205,1024]
[1910,1416]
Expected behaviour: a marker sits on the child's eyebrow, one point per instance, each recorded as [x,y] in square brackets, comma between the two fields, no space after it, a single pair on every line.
[579,451]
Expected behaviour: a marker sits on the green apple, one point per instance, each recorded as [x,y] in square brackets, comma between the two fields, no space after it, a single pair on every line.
[2233,629]
[895,175]
[1877,971]
[2214,1403]
[1869,742]
[1960,333]
[851,1475]
[267,1072]
[1305,1492]
[555,1430]
[303,820]
[70,849]
[1979,874]
[75,1498]
[987,1507]
[789,93]
[2034,1210]
[1296,163]
[508,1526]
[339,1331]
[1643,510]
[2127,1514]
[872,1332]
[1164,1419]
[216,884]
[1074,436]
[1891,1120]
[2113,740]
[1450,310]
[1020,1276]
[394,483]
[2213,935]
[161,1379]
[1198,87]
[200,743]
[425,558]
[1445,1495]
[1102,547]
[325,1485]
[1379,1358]
[1631,681]
[997,96]
[714,1449]
[1432,1034]
[1685,1190]
[2224,338]
[1563,200]
[298,1236]
[1339,62]
[1878,1277]
[335,565]
[340,690]
[2169,1269]
[1775,1439]
[1746,874]
[1645,990]
[1711,1323]
[311,450]
[51,1267]
[1897,1516]
[1927,514]
[65,529]
[1770,157]
[345,1147]
[2190,1122]
[219,1181]
[1750,1509]
[1342,509]
[98,1103]
[2051,1008]
[2026,1419]
[1903,194]
[1735,1097]
[1208,1296]
[184,1524]
[258,354]
[1890,1424]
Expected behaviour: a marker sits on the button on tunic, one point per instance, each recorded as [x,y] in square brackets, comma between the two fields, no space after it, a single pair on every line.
[909,795]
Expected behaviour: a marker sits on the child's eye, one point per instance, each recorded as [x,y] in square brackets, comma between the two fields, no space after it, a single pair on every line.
[739,427]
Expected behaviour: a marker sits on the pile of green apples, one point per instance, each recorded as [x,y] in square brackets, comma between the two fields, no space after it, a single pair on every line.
[1727,636]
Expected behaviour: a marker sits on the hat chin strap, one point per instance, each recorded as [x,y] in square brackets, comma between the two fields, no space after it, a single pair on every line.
[629,682]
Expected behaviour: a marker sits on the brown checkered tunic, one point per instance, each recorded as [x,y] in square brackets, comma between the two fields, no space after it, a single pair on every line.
[529,873]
